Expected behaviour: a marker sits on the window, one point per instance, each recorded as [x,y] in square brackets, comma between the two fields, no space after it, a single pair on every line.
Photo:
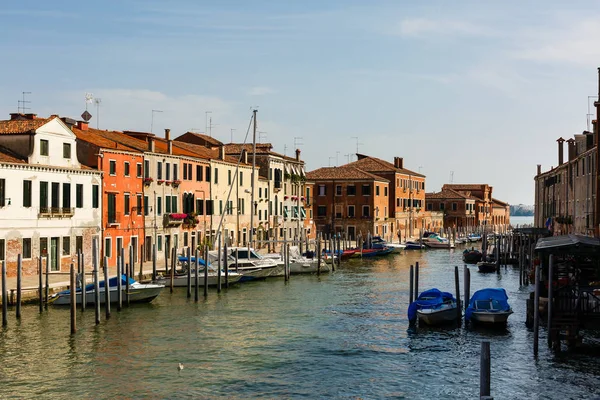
[26,247]
[79,195]
[338,211]
[322,190]
[385,191]
[351,212]
[376,190]
[429,207]
[159,243]
[242,178]
[351,190]
[126,168]
[43,147]
[79,244]
[146,205]
[26,193]
[229,177]
[66,245]
[366,190]
[199,206]
[207,174]
[366,211]
[209,207]
[159,170]
[454,206]
[138,170]
[441,206]
[2,250]
[67,150]
[95,196]
[321,211]
[198,173]
[167,171]
[3,191]
[174,204]
[138,205]
[126,204]
[112,208]
[43,246]
[108,247]
[112,167]
[190,172]
[185,177]
[55,194]
[338,190]
[259,193]
[159,206]
[146,168]
[167,204]
[175,174]
[216,175]
[66,203]
[220,207]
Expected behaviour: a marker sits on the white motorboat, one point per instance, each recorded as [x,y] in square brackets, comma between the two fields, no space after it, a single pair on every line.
[180,279]
[436,316]
[250,264]
[138,292]
[437,242]
[300,264]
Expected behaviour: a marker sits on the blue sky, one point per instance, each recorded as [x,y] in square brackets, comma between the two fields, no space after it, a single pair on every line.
[478,88]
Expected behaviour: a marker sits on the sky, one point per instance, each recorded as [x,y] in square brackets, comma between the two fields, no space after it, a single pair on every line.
[464,91]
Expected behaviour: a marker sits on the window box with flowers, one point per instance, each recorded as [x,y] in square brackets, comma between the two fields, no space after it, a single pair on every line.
[294,198]
[160,181]
[175,219]
[168,183]
[190,220]
[176,183]
[286,197]
[148,181]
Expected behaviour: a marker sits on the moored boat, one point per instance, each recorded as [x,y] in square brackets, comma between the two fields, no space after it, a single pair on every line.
[433,307]
[486,266]
[413,245]
[472,256]
[489,306]
[138,292]
[437,242]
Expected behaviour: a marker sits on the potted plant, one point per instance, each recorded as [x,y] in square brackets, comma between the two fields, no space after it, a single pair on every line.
[168,183]
[176,183]
[148,181]
[286,197]
[160,181]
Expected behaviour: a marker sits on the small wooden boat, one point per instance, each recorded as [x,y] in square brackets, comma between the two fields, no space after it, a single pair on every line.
[472,256]
[433,307]
[413,245]
[486,266]
[346,254]
[489,306]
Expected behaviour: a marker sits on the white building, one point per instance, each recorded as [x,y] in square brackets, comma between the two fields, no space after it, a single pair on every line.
[49,203]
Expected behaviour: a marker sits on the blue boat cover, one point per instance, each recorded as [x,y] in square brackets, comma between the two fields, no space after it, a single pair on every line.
[431,298]
[183,259]
[498,297]
[112,282]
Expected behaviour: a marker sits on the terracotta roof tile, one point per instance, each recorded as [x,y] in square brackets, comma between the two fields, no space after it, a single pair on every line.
[374,164]
[101,139]
[8,156]
[447,194]
[460,186]
[199,139]
[344,172]
[206,153]
[499,202]
[21,126]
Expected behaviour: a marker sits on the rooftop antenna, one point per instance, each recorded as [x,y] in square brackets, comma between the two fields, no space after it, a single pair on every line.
[330,158]
[206,120]
[451,176]
[357,144]
[22,104]
[210,126]
[589,113]
[97,101]
[284,149]
[152,121]
[298,141]
[337,158]
[347,157]
[232,129]
[261,134]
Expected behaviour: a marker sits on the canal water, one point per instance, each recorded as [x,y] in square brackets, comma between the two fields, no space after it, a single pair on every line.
[343,335]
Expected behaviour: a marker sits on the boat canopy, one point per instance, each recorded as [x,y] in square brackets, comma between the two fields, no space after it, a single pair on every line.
[431,298]
[112,282]
[184,259]
[490,299]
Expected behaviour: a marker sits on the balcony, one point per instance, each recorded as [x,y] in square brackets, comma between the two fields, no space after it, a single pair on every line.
[174,219]
[58,212]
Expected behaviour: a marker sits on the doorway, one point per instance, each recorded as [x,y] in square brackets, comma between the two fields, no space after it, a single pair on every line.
[54,254]
[134,244]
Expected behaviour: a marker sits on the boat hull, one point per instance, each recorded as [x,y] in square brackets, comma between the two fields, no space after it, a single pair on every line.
[496,317]
[140,293]
[438,317]
[213,279]
[307,267]
[486,267]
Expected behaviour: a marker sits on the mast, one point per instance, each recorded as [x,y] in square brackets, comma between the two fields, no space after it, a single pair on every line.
[251,237]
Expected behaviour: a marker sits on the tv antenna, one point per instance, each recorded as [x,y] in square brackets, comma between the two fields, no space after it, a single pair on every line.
[451,176]
[210,126]
[298,141]
[347,157]
[357,143]
[22,104]
[337,158]
[261,134]
[284,149]
[97,102]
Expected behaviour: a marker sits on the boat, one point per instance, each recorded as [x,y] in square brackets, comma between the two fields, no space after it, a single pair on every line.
[376,242]
[433,307]
[250,264]
[138,292]
[460,240]
[474,237]
[413,245]
[435,241]
[349,253]
[180,277]
[373,252]
[489,306]
[472,256]
[300,264]
[486,266]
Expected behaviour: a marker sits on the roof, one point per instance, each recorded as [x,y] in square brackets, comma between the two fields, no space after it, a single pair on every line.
[344,172]
[261,148]
[8,156]
[101,139]
[500,203]
[374,164]
[199,139]
[474,186]
[200,151]
[22,125]
[448,194]
[568,243]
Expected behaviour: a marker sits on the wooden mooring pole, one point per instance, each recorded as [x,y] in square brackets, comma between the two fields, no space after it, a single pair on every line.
[4,296]
[19,284]
[47,286]
[189,273]
[467,284]
[206,271]
[318,253]
[412,282]
[485,371]
[95,271]
[550,299]
[73,288]
[196,277]
[40,285]
[106,289]
[536,311]
[82,279]
[416,280]
[225,257]
[119,283]
[457,287]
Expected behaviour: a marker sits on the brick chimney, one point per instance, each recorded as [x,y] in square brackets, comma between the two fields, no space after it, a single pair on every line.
[245,156]
[83,125]
[222,152]
[560,141]
[572,149]
[151,146]
[167,134]
[399,162]
[169,141]
[539,169]
[297,154]
[30,116]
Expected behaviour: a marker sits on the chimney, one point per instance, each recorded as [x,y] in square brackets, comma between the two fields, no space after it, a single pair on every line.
[69,122]
[30,116]
[560,150]
[297,154]
[222,152]
[151,147]
[15,116]
[572,149]
[83,125]
[169,141]
[167,134]
[539,169]
[399,162]
[244,156]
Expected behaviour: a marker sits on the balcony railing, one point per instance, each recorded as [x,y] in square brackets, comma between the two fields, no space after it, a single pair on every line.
[113,218]
[58,212]
[174,219]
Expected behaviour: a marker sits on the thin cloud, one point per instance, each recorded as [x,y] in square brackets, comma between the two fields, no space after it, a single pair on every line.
[260,91]
[424,27]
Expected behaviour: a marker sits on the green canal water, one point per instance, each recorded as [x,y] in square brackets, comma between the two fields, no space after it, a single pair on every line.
[343,335]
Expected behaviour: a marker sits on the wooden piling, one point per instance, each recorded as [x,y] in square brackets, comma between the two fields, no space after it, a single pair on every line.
[153,262]
[206,271]
[219,265]
[318,253]
[167,254]
[19,284]
[196,277]
[172,274]
[119,283]
[287,262]
[83,292]
[127,284]
[225,257]
[332,251]
[550,299]
[73,300]
[536,311]
[416,280]
[520,263]
[141,276]
[189,273]
[130,275]
[40,286]
[467,284]
[95,271]
[107,289]
[237,257]
[411,285]
[47,286]
[339,251]
[457,287]
[485,370]
[4,296]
